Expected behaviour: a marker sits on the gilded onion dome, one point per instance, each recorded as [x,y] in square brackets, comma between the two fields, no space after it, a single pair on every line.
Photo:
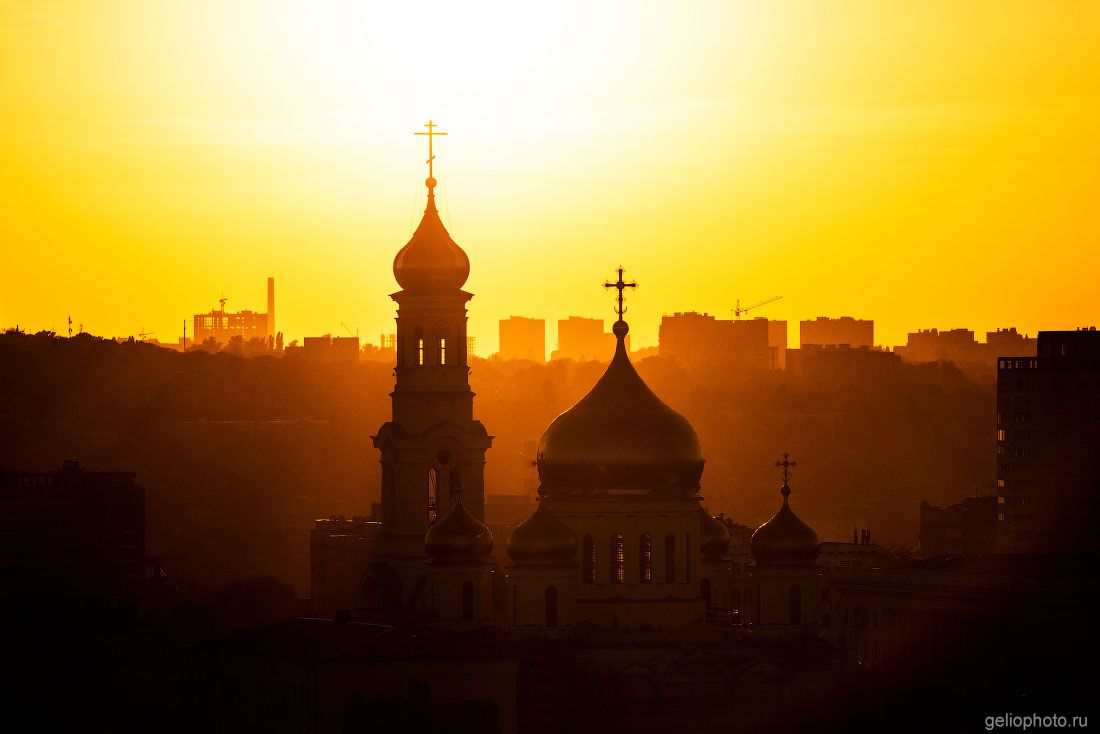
[542,539]
[714,538]
[620,436]
[785,540]
[459,536]
[431,261]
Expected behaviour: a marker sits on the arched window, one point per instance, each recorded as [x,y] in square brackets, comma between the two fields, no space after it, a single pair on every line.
[704,590]
[419,336]
[645,559]
[468,600]
[551,606]
[670,558]
[796,604]
[589,574]
[443,350]
[618,559]
[687,558]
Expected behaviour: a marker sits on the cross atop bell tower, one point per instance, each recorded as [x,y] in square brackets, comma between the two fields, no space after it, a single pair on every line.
[431,154]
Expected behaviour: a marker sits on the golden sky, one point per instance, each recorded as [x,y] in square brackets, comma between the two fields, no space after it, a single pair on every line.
[924,164]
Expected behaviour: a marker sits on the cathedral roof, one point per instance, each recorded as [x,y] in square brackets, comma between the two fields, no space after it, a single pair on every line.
[620,436]
[459,536]
[785,540]
[714,538]
[431,261]
[542,539]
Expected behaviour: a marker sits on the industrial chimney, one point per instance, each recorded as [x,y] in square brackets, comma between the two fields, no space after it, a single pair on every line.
[271,307]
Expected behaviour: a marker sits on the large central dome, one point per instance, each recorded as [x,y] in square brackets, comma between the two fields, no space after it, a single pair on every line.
[620,436]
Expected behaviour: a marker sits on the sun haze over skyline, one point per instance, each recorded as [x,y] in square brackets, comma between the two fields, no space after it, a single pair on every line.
[924,166]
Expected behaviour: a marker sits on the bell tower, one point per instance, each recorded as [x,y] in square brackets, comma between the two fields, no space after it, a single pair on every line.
[432,446]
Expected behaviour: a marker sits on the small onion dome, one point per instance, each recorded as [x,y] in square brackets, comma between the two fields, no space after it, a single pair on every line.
[458,537]
[714,538]
[620,436]
[431,261]
[785,540]
[542,539]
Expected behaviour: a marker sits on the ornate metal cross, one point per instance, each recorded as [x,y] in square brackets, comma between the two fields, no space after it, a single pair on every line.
[620,285]
[431,134]
[786,465]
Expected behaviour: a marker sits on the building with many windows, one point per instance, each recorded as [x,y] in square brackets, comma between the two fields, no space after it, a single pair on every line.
[72,531]
[222,326]
[524,338]
[1048,445]
[824,331]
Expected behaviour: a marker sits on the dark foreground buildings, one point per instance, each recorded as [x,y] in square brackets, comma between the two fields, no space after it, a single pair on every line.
[72,532]
[1048,445]
[623,605]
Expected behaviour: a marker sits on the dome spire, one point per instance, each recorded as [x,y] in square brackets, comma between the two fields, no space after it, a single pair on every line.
[786,465]
[431,262]
[430,182]
[621,328]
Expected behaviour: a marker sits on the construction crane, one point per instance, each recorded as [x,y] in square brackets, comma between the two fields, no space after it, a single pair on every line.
[350,332]
[143,334]
[738,310]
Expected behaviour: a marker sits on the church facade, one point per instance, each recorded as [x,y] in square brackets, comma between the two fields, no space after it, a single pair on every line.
[620,538]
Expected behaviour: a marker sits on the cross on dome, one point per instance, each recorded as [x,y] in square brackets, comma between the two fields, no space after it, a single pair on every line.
[431,154]
[786,465]
[620,328]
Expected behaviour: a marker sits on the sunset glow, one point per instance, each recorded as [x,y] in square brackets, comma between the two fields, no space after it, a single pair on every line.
[897,163]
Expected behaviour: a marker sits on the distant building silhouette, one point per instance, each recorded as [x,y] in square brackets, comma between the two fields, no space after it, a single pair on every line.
[1010,343]
[966,528]
[961,347]
[523,338]
[824,331]
[222,325]
[330,348]
[932,345]
[339,550]
[693,340]
[1048,445]
[72,531]
[584,340]
[842,364]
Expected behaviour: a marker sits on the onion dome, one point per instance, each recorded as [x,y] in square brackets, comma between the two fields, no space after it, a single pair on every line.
[431,261]
[785,540]
[620,436]
[542,539]
[714,538]
[458,537]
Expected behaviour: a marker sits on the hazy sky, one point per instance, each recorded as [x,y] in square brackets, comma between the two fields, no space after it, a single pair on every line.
[925,164]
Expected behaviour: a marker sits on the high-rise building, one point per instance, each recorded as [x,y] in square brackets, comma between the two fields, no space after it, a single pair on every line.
[824,331]
[950,345]
[1048,445]
[966,528]
[523,338]
[72,531]
[330,348]
[694,339]
[1009,342]
[584,340]
[339,550]
[222,325]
